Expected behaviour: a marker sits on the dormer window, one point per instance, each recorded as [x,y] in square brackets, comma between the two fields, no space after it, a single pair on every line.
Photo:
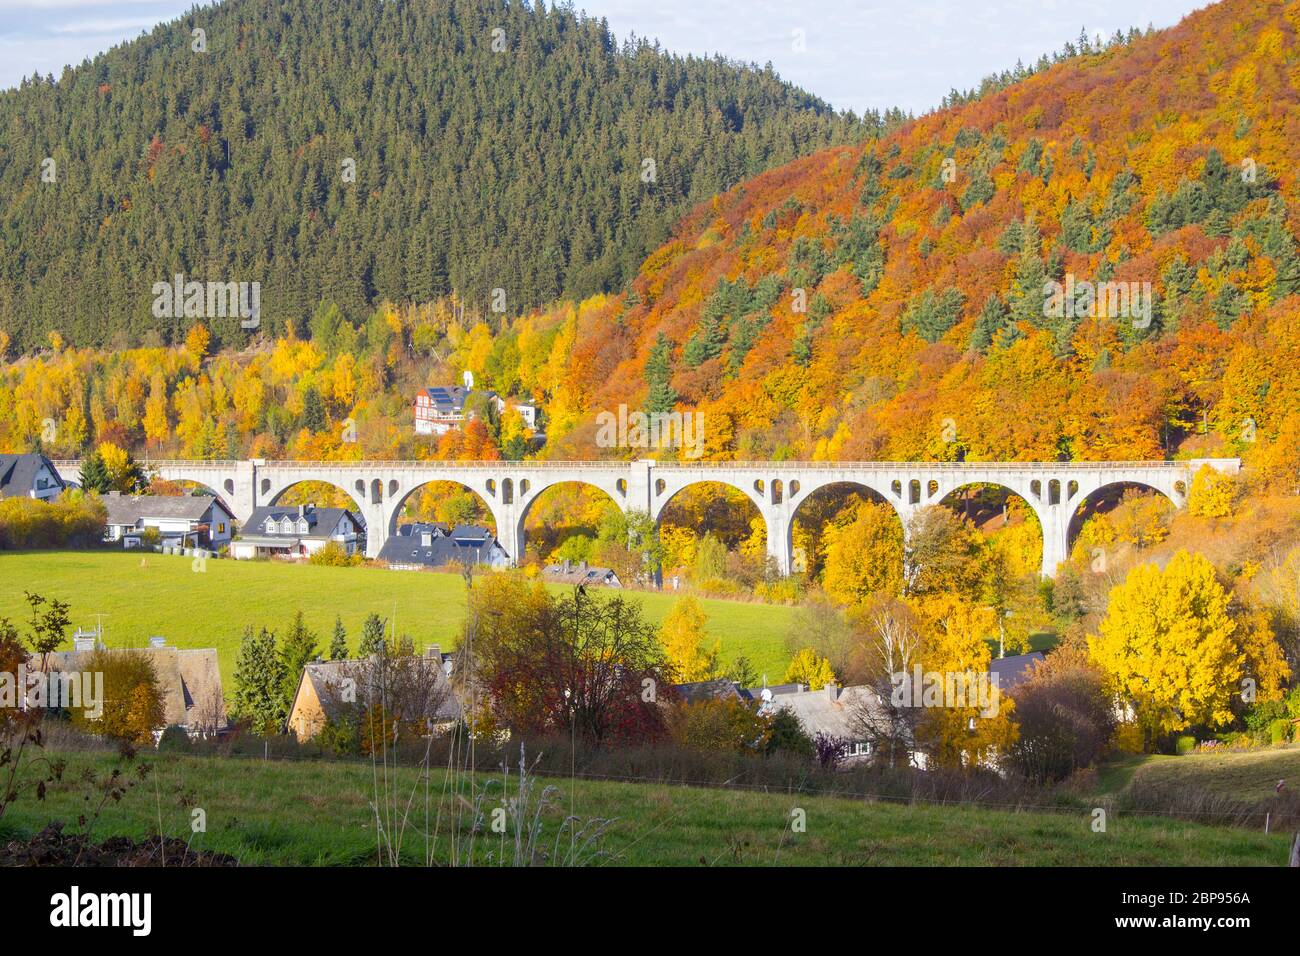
[286,526]
[270,526]
[302,526]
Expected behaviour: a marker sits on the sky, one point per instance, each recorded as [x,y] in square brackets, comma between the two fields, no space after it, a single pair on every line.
[855,54]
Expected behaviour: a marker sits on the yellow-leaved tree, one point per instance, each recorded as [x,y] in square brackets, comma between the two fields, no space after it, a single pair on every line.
[863,553]
[1171,647]
[1211,493]
[810,669]
[683,636]
[970,721]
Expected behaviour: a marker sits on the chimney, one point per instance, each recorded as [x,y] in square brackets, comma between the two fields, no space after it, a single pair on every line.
[433,652]
[582,566]
[302,510]
[833,690]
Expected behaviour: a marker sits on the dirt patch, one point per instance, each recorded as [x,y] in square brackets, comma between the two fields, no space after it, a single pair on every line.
[53,847]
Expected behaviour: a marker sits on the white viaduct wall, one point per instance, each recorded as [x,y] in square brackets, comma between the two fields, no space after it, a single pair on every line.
[380,489]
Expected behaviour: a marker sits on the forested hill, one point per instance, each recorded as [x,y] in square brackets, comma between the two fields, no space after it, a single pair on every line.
[887,301]
[522,167]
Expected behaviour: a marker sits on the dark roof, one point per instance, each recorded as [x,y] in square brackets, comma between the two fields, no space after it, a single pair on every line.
[720,689]
[18,474]
[321,522]
[1011,671]
[129,509]
[450,399]
[464,543]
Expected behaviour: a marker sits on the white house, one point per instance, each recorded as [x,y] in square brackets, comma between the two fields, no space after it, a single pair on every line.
[296,531]
[188,521]
[29,476]
[441,408]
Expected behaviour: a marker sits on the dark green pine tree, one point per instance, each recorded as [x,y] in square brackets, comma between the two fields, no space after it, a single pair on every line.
[339,643]
[991,320]
[297,650]
[313,410]
[94,476]
[660,396]
[257,697]
[372,636]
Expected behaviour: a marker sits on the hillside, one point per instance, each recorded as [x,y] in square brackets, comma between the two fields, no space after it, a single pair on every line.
[359,151]
[921,262]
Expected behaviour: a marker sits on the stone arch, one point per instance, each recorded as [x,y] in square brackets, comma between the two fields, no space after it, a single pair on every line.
[983,513]
[800,563]
[1079,505]
[276,492]
[397,503]
[754,504]
[529,496]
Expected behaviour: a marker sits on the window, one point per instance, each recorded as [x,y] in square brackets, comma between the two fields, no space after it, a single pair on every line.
[221,527]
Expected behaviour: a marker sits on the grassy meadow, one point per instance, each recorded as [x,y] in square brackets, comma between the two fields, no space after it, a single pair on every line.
[143,595]
[310,812]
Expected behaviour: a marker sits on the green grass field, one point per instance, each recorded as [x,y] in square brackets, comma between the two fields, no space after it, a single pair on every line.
[318,813]
[1249,775]
[144,595]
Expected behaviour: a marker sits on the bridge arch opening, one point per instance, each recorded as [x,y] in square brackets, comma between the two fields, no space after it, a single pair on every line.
[1118,515]
[572,521]
[449,503]
[321,494]
[845,515]
[711,533]
[1006,519]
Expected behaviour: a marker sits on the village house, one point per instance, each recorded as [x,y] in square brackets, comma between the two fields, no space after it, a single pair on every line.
[188,521]
[579,572]
[849,713]
[441,408]
[295,532]
[415,690]
[29,476]
[434,545]
[189,679]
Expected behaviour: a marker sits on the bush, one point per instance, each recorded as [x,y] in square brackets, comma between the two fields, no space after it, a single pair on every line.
[334,555]
[133,699]
[175,739]
[1184,744]
[1279,731]
[73,520]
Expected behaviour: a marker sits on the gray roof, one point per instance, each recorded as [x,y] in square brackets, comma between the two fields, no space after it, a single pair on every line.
[18,474]
[129,509]
[829,711]
[1011,671]
[321,522]
[464,543]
